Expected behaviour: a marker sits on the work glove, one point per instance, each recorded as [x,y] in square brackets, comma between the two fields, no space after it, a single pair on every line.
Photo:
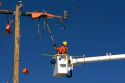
[55,46]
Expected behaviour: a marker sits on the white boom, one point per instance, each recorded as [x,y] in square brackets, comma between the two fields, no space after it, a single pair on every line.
[107,57]
[63,65]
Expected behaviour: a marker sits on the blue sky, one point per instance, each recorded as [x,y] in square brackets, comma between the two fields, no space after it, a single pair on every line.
[93,28]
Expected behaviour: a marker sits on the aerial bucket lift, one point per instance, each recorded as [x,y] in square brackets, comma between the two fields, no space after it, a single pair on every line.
[63,65]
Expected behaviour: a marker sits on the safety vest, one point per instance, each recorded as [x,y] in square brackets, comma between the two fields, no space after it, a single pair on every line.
[62,50]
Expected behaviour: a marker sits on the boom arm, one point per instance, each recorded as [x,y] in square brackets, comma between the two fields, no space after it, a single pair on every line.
[108,57]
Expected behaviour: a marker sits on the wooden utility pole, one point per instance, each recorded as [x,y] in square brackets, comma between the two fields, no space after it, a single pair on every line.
[17,15]
[17,44]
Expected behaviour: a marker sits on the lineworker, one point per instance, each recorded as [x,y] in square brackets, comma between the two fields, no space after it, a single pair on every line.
[63,49]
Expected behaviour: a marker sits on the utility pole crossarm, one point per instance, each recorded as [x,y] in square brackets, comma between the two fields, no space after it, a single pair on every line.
[6,12]
[12,13]
[98,59]
[26,13]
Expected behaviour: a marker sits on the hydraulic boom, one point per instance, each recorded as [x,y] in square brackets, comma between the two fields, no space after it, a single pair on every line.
[107,57]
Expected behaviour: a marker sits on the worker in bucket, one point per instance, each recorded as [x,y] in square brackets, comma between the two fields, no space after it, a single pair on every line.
[63,49]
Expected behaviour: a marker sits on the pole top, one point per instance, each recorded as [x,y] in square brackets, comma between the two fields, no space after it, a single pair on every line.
[20,3]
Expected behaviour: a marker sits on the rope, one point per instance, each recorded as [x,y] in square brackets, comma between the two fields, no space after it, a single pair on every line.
[52,38]
[38,32]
